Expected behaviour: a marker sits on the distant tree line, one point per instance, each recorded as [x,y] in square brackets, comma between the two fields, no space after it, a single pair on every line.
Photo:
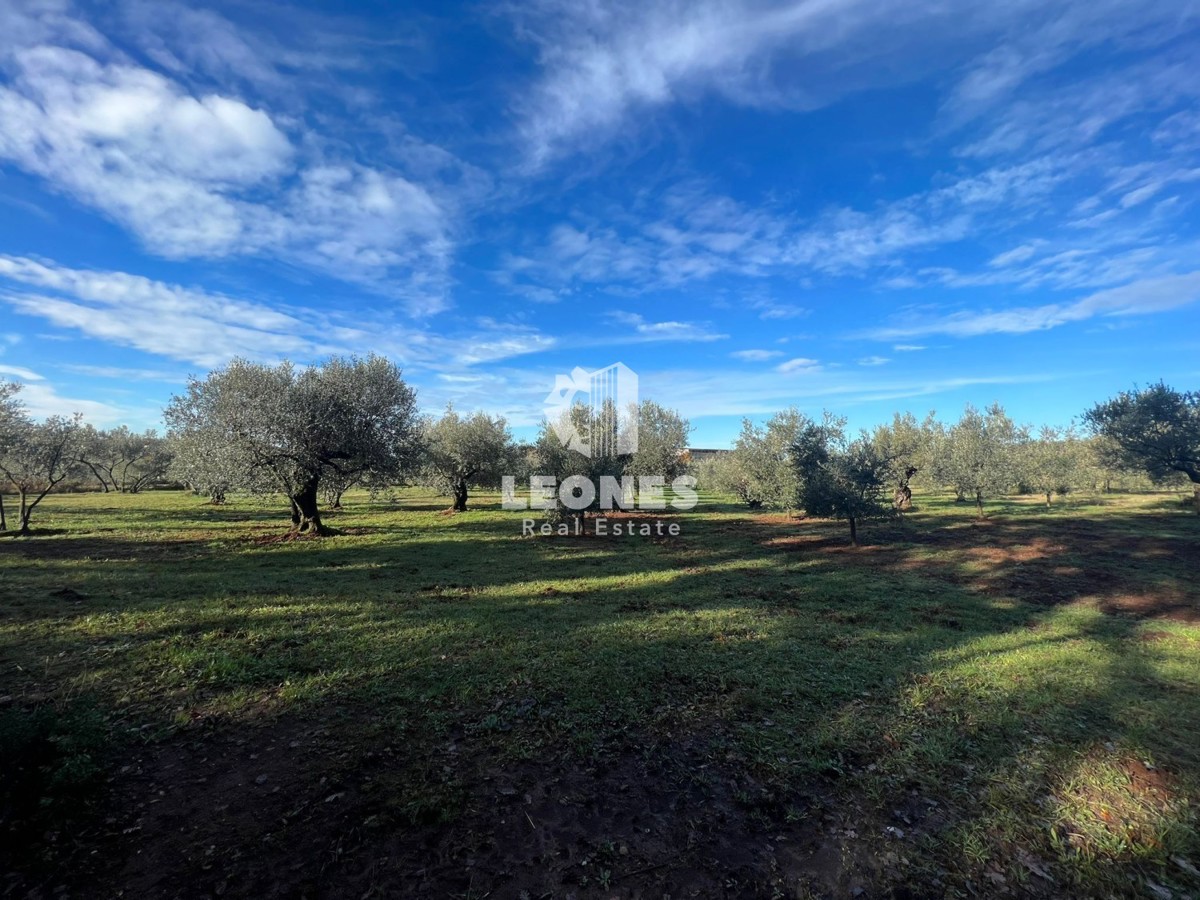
[37,458]
[792,462]
[312,433]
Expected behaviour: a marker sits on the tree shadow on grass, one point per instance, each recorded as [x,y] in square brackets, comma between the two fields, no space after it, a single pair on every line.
[964,663]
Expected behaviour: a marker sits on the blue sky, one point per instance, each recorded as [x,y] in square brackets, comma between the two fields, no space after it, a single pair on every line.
[861,205]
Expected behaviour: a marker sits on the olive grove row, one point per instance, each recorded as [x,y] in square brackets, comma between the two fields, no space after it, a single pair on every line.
[1144,438]
[311,433]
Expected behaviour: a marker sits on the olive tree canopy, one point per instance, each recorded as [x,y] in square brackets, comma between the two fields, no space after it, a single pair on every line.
[1052,463]
[662,438]
[465,451]
[908,444]
[760,470]
[1156,429]
[12,419]
[124,460]
[842,478]
[36,457]
[979,456]
[284,428]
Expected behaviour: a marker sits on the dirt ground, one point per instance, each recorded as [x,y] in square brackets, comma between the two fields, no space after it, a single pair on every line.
[290,809]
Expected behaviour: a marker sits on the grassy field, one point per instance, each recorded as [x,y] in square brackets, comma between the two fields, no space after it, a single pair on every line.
[431,705]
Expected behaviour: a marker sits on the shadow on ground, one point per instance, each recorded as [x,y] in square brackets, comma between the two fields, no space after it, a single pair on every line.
[434,706]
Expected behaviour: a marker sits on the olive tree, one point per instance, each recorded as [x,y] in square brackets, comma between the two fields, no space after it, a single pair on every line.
[554,458]
[1156,429]
[841,478]
[462,452]
[1051,463]
[908,444]
[124,460]
[12,421]
[37,458]
[662,438]
[979,455]
[96,454]
[284,428]
[206,469]
[717,473]
[759,470]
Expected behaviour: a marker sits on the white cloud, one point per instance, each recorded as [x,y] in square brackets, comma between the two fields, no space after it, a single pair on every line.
[606,64]
[208,329]
[907,348]
[40,399]
[605,61]
[209,175]
[168,320]
[756,355]
[1015,255]
[20,372]
[119,373]
[1073,112]
[687,233]
[773,310]
[874,361]
[661,331]
[798,365]
[738,392]
[1145,296]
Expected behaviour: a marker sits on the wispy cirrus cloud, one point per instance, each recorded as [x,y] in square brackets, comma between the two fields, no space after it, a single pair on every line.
[606,64]
[642,330]
[756,355]
[799,365]
[206,328]
[1137,298]
[20,372]
[41,399]
[687,233]
[123,373]
[708,392]
[167,320]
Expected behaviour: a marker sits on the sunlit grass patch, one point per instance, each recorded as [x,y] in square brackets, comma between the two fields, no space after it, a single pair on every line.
[1114,807]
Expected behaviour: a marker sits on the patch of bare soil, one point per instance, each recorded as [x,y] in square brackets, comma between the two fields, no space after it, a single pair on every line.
[296,809]
[1145,576]
[108,549]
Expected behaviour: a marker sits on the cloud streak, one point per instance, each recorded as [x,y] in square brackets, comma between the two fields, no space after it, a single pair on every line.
[208,329]
[605,63]
[1149,295]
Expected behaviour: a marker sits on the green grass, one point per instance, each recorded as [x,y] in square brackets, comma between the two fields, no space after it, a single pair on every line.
[1035,679]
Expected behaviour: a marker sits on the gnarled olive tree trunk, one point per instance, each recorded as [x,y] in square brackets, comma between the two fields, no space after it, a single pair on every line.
[306,516]
[460,495]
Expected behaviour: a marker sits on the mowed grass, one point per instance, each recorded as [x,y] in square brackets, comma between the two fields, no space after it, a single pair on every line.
[1011,704]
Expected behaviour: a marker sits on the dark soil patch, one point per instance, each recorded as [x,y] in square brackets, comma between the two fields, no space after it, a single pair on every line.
[1138,575]
[108,550]
[69,594]
[313,808]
